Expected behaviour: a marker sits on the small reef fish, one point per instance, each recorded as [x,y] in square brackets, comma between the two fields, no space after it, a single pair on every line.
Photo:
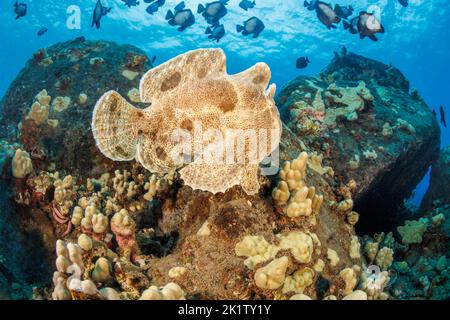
[311,5]
[99,12]
[442,113]
[215,32]
[252,26]
[154,6]
[213,11]
[366,24]
[352,26]
[343,12]
[182,17]
[302,63]
[42,31]
[247,4]
[131,3]
[327,15]
[20,9]
[152,62]
[404,3]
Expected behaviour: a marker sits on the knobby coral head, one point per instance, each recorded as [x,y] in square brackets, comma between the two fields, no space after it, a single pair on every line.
[216,127]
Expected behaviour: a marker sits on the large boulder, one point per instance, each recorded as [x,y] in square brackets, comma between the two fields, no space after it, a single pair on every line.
[74,75]
[438,193]
[359,114]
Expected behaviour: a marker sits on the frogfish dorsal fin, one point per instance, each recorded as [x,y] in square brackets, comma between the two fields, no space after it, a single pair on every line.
[181,70]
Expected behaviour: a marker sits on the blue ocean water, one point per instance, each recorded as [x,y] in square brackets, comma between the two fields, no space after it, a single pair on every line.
[416,39]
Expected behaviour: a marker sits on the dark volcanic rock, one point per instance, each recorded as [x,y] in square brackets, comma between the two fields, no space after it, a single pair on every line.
[26,251]
[353,67]
[69,69]
[359,114]
[439,190]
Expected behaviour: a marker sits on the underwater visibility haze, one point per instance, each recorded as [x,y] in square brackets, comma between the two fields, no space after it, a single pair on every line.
[354,204]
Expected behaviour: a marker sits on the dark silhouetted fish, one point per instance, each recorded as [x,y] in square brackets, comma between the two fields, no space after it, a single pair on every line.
[152,62]
[247,4]
[20,9]
[403,2]
[216,32]
[152,8]
[99,12]
[42,31]
[327,15]
[442,113]
[434,113]
[252,26]
[131,3]
[343,12]
[182,17]
[302,63]
[213,11]
[311,5]
[352,26]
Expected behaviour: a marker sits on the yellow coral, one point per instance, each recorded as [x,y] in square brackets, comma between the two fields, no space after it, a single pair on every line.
[21,164]
[300,244]
[60,103]
[256,248]
[299,281]
[272,276]
[292,193]
[40,108]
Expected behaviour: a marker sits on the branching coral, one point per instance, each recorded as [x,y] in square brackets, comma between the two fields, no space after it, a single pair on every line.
[374,283]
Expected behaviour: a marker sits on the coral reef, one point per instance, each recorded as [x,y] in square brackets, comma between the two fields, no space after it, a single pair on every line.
[114,231]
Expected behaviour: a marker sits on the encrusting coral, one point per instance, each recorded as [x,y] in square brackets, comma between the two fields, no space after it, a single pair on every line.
[193,80]
[413,231]
[60,103]
[321,112]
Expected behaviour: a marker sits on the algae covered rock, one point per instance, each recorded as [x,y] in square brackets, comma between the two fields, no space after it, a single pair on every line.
[56,127]
[358,113]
